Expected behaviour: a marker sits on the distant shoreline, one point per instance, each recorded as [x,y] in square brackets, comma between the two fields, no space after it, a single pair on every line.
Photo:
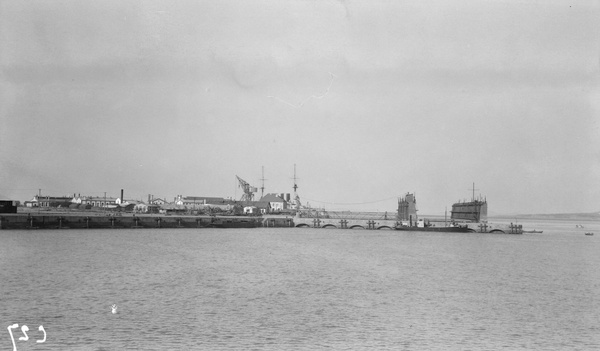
[513,217]
[557,216]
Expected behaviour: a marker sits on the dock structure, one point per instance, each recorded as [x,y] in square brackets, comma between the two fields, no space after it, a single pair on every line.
[135,221]
[126,221]
[129,221]
[321,218]
[341,223]
[501,228]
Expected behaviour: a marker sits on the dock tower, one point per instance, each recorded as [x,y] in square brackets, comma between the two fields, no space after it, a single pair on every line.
[473,211]
[407,208]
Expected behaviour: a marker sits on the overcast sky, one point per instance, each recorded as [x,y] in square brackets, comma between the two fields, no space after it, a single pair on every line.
[370,100]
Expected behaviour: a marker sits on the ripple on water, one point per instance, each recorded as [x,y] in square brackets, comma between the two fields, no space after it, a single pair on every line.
[303,289]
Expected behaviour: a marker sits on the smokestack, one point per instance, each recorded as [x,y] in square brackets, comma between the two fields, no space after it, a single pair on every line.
[122,200]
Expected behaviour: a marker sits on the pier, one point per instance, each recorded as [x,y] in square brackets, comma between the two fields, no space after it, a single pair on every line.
[147,221]
[343,223]
[125,221]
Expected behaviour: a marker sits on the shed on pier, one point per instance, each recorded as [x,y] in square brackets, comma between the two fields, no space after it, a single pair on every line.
[8,206]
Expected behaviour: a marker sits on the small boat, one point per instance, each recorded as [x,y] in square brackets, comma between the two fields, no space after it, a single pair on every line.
[578,226]
[589,233]
[533,231]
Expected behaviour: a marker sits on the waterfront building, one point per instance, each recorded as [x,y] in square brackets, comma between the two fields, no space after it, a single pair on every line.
[132,205]
[76,199]
[251,210]
[99,201]
[263,207]
[31,203]
[49,201]
[172,209]
[140,207]
[7,205]
[157,201]
[276,202]
[195,202]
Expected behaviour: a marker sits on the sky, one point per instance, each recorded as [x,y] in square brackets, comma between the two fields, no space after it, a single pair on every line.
[366,100]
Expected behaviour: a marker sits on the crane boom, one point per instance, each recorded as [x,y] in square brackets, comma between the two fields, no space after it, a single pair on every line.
[248,190]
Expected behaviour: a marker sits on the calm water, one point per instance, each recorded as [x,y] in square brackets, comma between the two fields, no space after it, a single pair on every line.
[302,289]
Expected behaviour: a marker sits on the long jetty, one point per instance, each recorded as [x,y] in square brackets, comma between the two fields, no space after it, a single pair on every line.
[95,221]
[99,220]
[78,221]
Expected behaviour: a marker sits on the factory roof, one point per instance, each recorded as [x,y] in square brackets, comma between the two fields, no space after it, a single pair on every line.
[272,198]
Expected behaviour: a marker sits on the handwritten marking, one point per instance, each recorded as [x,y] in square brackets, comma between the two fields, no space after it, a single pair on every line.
[10,327]
[24,330]
[41,328]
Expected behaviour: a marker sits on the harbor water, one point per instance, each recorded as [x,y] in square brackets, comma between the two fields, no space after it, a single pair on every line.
[301,289]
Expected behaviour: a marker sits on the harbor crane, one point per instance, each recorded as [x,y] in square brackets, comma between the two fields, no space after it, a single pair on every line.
[248,190]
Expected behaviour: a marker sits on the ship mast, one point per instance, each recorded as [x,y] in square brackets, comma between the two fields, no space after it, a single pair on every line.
[446,217]
[295,185]
[262,188]
[296,197]
[473,196]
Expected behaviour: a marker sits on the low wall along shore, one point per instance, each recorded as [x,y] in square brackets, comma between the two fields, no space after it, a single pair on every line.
[65,221]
